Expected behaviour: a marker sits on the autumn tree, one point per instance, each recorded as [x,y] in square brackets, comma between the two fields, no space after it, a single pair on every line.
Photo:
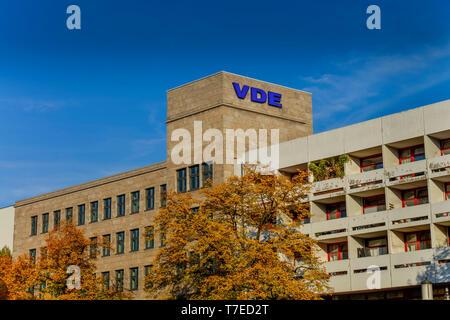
[239,240]
[48,274]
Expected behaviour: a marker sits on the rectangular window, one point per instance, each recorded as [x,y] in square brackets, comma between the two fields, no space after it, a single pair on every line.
[207,174]
[107,209]
[150,199]
[81,214]
[147,272]
[194,177]
[135,240]
[69,214]
[134,278]
[135,201]
[445,147]
[371,163]
[373,247]
[374,204]
[120,245]
[149,237]
[45,218]
[94,211]
[33,255]
[181,180]
[93,248]
[337,251]
[336,211]
[417,241]
[34,225]
[119,280]
[414,197]
[447,191]
[56,219]
[163,239]
[411,154]
[121,205]
[105,277]
[106,245]
[163,195]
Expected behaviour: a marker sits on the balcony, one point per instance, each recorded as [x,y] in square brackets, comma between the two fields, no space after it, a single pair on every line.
[440,212]
[327,189]
[409,216]
[439,167]
[340,281]
[330,229]
[411,268]
[402,174]
[365,181]
[369,222]
[359,279]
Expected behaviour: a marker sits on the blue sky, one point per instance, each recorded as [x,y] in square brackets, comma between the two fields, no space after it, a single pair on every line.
[80,105]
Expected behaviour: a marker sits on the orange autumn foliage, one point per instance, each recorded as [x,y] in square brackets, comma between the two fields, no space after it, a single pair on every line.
[46,278]
[243,242]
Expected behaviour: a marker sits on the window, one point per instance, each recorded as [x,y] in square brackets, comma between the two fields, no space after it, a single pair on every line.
[33,255]
[445,147]
[337,251]
[181,180]
[447,191]
[105,277]
[120,245]
[94,211]
[374,204]
[69,214]
[411,154]
[121,205]
[207,173]
[135,202]
[56,218]
[134,277]
[194,176]
[414,197]
[373,247]
[34,225]
[93,248]
[107,209]
[149,237]
[106,245]
[163,195]
[147,272]
[135,240]
[45,218]
[417,241]
[81,214]
[119,280]
[371,163]
[163,239]
[336,211]
[150,199]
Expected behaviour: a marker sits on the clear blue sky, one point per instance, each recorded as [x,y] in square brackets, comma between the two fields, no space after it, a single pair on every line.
[80,105]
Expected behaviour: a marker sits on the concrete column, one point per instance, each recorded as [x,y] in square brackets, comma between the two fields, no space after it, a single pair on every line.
[318,212]
[395,242]
[432,147]
[393,198]
[352,166]
[390,156]
[354,205]
[353,245]
[438,236]
[435,191]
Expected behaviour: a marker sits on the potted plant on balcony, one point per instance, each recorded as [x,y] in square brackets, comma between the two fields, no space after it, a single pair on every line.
[329,168]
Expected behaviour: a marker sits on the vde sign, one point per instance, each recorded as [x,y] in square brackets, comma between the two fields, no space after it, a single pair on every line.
[258,95]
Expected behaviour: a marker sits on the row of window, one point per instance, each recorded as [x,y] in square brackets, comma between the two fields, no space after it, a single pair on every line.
[149,242]
[413,241]
[411,197]
[405,155]
[107,209]
[119,278]
[194,177]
